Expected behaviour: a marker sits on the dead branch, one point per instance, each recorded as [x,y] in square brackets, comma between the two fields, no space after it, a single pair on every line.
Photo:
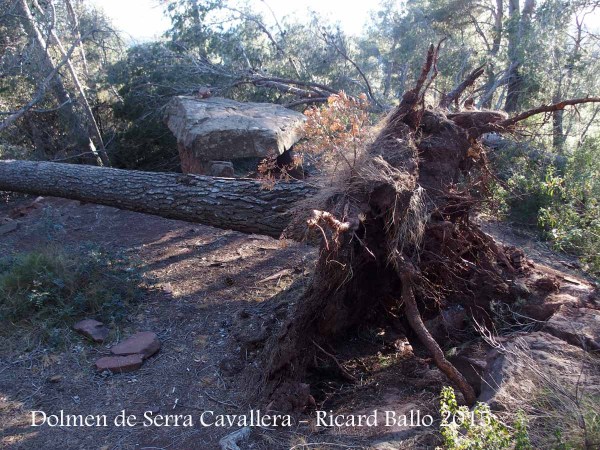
[308,92]
[455,93]
[508,123]
[425,70]
[331,41]
[328,220]
[306,101]
[343,372]
[41,91]
[310,84]
[230,442]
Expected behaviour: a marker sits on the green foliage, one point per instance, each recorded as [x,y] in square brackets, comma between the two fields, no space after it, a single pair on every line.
[8,151]
[523,172]
[572,219]
[479,429]
[52,288]
[559,194]
[147,78]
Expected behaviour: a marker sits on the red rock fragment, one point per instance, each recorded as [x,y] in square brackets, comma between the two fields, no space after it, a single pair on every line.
[92,329]
[144,343]
[120,364]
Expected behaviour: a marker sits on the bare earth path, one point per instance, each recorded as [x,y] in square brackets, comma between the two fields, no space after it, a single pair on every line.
[203,276]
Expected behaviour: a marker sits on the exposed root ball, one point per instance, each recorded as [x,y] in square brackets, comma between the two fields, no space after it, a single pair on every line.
[396,241]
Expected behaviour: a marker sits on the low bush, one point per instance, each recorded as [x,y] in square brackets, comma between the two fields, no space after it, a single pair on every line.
[49,289]
[478,429]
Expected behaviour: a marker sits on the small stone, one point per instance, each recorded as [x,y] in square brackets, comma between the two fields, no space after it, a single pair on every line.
[540,312]
[144,343]
[55,379]
[454,318]
[92,329]
[547,284]
[120,364]
[221,169]
[168,288]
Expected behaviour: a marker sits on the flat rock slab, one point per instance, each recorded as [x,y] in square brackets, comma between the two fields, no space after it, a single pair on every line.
[92,329]
[120,364]
[219,129]
[144,343]
[531,363]
[577,326]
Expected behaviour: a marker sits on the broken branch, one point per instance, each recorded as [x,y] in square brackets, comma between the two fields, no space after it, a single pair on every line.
[544,109]
[455,93]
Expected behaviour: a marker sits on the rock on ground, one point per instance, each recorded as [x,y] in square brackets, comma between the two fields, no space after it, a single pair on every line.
[120,364]
[577,326]
[144,343]
[528,365]
[92,329]
[224,130]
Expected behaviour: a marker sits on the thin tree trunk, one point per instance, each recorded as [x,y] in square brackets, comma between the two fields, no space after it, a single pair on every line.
[520,24]
[558,135]
[83,98]
[235,204]
[69,116]
[77,32]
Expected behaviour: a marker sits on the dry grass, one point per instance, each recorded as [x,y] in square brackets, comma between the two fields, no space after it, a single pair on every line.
[561,401]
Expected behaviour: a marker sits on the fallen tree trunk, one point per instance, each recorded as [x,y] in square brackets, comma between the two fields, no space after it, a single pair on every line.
[234,204]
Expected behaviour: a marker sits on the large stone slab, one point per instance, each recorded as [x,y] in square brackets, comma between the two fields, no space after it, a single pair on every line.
[119,364]
[225,130]
[529,365]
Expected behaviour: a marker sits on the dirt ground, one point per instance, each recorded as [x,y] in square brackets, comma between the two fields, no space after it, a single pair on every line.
[202,279]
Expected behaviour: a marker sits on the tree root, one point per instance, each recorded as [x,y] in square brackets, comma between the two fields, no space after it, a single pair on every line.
[342,371]
[416,323]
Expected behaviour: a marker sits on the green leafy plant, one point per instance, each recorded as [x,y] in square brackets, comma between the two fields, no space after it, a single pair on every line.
[572,220]
[478,429]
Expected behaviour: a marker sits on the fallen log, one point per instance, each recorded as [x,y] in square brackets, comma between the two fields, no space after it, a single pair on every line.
[234,204]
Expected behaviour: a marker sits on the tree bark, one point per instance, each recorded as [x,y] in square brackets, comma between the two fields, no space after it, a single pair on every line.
[234,204]
[517,31]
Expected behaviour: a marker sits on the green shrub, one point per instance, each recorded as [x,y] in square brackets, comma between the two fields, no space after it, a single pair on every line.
[572,220]
[479,429]
[519,194]
[558,194]
[52,288]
